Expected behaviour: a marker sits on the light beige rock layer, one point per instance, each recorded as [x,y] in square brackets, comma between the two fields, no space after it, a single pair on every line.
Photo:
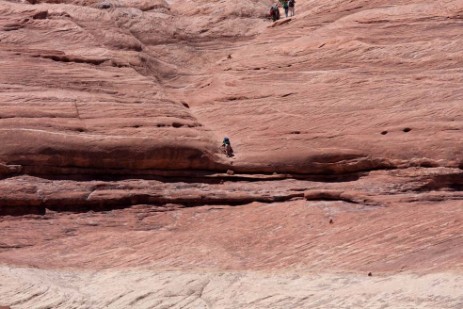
[144,288]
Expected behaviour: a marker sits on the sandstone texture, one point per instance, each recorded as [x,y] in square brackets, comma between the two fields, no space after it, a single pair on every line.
[345,191]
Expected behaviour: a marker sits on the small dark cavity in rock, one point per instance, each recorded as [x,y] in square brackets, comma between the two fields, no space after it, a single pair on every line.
[406,130]
[428,164]
[384,132]
[295,132]
[185,104]
[177,125]
[331,221]
[104,5]
[40,15]
[136,47]
[370,274]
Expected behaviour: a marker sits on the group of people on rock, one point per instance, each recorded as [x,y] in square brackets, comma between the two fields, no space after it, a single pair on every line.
[287,5]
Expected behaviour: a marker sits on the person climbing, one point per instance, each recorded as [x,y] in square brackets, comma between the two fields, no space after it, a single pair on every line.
[286,7]
[275,12]
[291,4]
[226,147]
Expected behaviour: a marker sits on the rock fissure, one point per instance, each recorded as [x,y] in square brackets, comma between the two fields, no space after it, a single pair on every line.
[104,195]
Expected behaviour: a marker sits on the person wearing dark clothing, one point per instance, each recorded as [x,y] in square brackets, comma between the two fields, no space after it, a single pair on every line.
[291,4]
[227,148]
[275,12]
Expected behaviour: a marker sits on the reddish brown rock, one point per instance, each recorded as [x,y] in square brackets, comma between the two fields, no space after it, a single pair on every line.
[124,88]
[346,122]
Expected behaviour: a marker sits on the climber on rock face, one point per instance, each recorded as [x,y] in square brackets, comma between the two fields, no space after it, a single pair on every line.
[275,12]
[226,147]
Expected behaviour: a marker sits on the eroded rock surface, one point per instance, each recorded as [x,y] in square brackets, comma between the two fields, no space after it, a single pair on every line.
[346,121]
[156,85]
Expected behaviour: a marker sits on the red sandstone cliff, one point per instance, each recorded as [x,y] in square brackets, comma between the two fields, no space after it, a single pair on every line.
[346,121]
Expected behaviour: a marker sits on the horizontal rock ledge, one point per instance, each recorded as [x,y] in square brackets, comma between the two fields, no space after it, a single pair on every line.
[46,152]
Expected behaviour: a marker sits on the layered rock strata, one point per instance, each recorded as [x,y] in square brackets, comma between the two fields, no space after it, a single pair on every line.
[346,186]
[156,86]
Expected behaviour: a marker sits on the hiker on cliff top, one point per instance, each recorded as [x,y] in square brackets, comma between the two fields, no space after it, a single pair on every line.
[291,4]
[285,5]
[226,147]
[275,12]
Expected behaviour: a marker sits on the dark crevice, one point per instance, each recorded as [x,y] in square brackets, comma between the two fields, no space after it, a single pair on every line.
[450,182]
[60,58]
[322,195]
[171,176]
[19,208]
[12,27]
[287,95]
[242,98]
[93,202]
[15,246]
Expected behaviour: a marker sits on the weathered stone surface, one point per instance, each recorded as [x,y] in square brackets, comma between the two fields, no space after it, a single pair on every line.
[319,96]
[346,121]
[25,194]
[129,253]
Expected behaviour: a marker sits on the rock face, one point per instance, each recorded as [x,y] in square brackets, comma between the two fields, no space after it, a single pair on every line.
[148,85]
[346,122]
